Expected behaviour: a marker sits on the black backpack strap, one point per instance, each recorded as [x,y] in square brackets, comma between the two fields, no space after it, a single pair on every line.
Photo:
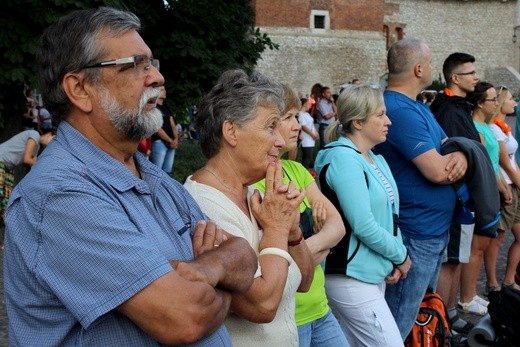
[335,144]
[306,220]
[338,259]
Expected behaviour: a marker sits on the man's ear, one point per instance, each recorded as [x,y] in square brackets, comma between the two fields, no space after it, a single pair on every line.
[78,91]
[229,132]
[454,79]
[418,70]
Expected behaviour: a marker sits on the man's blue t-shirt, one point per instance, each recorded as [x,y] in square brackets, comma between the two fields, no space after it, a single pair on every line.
[426,208]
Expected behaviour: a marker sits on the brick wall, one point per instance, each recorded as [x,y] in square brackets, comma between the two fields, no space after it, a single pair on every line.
[344,14]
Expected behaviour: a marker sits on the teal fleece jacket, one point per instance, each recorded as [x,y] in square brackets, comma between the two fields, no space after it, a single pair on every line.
[367,208]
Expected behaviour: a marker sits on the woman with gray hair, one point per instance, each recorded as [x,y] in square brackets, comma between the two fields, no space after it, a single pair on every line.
[363,188]
[238,122]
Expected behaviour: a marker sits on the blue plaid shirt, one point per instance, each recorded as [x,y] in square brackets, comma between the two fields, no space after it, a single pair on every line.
[83,235]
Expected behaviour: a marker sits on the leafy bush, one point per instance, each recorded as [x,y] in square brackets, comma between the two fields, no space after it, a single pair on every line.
[188,159]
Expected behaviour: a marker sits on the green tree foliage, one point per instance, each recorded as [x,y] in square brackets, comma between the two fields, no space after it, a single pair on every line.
[195,40]
[188,159]
[21,24]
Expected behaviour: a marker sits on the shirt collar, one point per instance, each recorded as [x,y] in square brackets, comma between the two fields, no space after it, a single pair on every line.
[449,92]
[102,165]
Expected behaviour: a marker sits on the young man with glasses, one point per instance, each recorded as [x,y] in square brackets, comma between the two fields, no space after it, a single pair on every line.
[452,111]
[103,248]
[454,114]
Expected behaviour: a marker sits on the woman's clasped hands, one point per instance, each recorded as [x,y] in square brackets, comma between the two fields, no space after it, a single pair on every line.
[278,209]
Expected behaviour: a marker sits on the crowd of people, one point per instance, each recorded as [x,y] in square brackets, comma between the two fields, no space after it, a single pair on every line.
[103,247]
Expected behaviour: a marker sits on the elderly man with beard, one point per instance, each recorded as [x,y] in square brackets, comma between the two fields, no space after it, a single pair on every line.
[102,247]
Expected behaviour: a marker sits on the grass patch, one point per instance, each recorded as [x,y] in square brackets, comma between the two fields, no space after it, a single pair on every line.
[188,159]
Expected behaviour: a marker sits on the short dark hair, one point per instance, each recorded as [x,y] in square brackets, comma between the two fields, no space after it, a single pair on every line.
[479,95]
[48,130]
[316,90]
[429,96]
[453,61]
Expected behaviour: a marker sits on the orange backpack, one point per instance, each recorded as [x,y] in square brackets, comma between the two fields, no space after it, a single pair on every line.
[431,328]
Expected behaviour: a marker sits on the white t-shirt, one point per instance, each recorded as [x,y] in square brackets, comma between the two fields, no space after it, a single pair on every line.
[304,118]
[511,147]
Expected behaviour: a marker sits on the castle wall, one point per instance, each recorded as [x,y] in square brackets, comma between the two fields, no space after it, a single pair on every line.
[331,58]
[355,44]
[482,28]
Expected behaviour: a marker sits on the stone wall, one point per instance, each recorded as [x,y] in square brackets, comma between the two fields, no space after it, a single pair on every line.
[332,57]
[481,28]
[506,76]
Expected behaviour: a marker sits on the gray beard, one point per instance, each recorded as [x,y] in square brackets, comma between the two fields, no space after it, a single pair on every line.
[133,124]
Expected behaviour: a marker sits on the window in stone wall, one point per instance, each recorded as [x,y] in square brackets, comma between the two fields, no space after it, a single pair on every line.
[400,33]
[393,32]
[319,20]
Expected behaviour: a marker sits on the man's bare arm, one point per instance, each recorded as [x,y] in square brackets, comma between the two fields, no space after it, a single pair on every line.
[174,310]
[230,266]
[441,169]
[192,301]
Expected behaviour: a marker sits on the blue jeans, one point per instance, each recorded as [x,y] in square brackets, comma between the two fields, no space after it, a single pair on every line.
[162,156]
[404,298]
[323,332]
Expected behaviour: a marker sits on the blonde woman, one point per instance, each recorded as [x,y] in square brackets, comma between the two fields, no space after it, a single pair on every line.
[369,201]
[510,214]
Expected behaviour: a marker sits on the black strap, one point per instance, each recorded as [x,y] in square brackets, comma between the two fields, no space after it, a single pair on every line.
[338,258]
[337,144]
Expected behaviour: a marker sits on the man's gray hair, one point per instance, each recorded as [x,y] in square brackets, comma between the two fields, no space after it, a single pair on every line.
[405,54]
[73,43]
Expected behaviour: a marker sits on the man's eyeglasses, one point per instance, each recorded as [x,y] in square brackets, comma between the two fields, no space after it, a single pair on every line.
[492,99]
[472,73]
[140,63]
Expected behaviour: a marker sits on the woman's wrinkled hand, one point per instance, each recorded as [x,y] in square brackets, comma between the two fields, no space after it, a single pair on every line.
[279,208]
